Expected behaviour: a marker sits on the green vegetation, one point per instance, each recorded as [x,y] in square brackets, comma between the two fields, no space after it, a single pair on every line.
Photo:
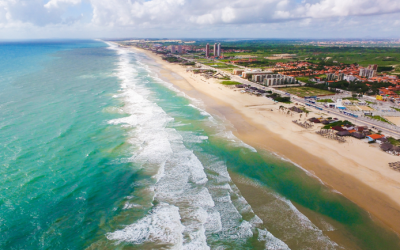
[189,63]
[230,83]
[350,98]
[257,64]
[358,87]
[325,100]
[379,118]
[393,141]
[279,98]
[303,78]
[397,109]
[368,102]
[171,59]
[306,91]
[385,68]
[305,110]
[338,123]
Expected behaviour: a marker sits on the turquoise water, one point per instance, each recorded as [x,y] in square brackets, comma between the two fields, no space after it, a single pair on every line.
[97,152]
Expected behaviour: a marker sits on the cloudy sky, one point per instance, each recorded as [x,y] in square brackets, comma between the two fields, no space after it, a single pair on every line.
[26,19]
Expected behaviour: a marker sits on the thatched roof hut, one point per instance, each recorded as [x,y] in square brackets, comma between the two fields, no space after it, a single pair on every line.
[296,109]
[358,135]
[338,128]
[325,122]
[395,149]
[343,133]
[386,146]
[314,120]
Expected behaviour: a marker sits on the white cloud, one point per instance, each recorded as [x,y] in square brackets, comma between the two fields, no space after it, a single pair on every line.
[186,15]
[57,4]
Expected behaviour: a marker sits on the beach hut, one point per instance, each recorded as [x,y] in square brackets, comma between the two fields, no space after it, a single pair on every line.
[373,137]
[396,150]
[386,146]
[382,140]
[314,120]
[358,135]
[338,128]
[325,122]
[296,109]
[343,133]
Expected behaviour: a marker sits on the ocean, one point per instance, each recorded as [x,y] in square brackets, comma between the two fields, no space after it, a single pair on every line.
[97,151]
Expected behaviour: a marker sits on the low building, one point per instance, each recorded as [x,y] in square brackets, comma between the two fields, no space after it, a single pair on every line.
[249,73]
[238,71]
[373,137]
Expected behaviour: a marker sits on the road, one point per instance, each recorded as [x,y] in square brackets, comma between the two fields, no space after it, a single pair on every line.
[335,112]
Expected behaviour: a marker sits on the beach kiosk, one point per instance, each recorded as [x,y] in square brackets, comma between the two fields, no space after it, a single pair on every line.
[339,104]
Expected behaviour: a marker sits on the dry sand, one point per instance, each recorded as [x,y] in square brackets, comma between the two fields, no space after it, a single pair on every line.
[395,120]
[356,169]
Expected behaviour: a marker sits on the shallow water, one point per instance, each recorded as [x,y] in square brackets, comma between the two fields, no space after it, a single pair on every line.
[98,152]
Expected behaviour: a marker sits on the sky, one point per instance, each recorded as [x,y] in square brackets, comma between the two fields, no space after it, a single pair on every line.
[41,19]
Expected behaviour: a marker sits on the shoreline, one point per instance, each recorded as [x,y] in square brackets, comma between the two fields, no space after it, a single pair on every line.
[355,169]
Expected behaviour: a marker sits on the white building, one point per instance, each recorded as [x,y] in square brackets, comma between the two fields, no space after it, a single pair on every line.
[369,72]
[277,79]
[349,78]
[219,50]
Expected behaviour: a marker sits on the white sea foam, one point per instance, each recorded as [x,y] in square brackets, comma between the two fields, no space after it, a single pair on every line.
[271,243]
[179,176]
[191,206]
[161,225]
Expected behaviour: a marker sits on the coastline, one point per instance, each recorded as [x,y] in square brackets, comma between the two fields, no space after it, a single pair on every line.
[355,169]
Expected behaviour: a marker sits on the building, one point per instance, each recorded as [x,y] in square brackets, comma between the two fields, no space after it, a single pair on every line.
[238,71]
[249,73]
[340,77]
[173,49]
[369,72]
[219,50]
[208,50]
[374,137]
[180,49]
[330,77]
[277,79]
[215,49]
[349,78]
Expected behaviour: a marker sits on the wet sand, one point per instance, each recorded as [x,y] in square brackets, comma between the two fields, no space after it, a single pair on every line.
[355,169]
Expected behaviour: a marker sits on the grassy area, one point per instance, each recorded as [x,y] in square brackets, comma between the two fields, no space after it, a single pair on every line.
[369,102]
[350,98]
[338,123]
[397,109]
[325,100]
[393,141]
[305,110]
[230,83]
[306,91]
[279,98]
[379,118]
[303,78]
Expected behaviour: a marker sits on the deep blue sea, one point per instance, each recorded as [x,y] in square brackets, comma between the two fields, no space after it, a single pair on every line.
[98,152]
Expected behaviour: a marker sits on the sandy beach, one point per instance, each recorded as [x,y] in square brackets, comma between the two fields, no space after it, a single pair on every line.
[356,169]
[394,120]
